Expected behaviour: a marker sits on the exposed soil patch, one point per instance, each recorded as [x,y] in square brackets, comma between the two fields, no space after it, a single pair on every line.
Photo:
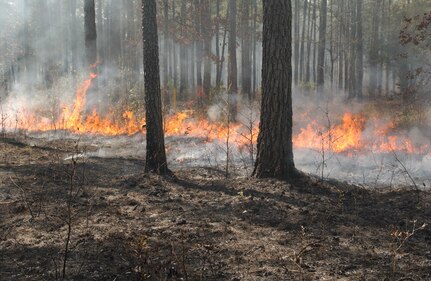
[131,226]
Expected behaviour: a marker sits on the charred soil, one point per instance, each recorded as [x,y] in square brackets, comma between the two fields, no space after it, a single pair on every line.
[127,225]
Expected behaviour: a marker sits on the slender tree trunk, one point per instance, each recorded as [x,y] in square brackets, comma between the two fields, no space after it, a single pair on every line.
[232,62]
[183,53]
[296,41]
[254,48]
[340,47]
[174,54]
[352,66]
[156,155]
[245,48]
[165,45]
[322,46]
[199,50]
[206,34]
[302,49]
[359,50]
[217,38]
[314,42]
[90,32]
[374,51]
[274,145]
[308,56]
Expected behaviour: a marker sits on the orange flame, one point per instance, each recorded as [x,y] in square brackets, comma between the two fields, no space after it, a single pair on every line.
[347,137]
[350,136]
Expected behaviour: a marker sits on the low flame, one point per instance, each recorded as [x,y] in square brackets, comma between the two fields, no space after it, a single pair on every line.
[350,136]
[347,137]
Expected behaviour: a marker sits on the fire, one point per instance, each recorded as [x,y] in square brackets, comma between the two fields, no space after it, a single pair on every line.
[351,135]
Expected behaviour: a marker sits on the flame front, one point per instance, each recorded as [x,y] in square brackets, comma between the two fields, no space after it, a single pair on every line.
[349,136]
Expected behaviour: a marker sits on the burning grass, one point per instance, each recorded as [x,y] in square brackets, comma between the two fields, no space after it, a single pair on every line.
[348,133]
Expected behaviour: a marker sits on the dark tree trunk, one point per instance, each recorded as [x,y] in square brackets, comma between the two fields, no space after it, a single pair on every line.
[74,46]
[314,42]
[232,62]
[90,32]
[245,48]
[374,50]
[274,145]
[206,34]
[322,45]
[155,150]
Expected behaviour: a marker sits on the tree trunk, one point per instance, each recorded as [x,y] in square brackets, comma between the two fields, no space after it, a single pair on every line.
[166,43]
[274,145]
[322,46]
[183,53]
[254,48]
[296,41]
[206,34]
[156,155]
[232,63]
[359,50]
[302,48]
[217,38]
[90,32]
[245,48]
[308,57]
[374,51]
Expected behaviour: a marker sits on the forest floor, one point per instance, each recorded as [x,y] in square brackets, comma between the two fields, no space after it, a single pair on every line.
[127,225]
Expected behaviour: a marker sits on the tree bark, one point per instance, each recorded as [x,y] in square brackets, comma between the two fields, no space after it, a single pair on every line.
[206,34]
[302,47]
[359,50]
[322,46]
[232,62]
[90,32]
[183,53]
[245,48]
[296,41]
[156,155]
[274,145]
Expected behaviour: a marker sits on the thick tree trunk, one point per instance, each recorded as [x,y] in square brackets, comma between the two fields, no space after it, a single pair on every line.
[90,32]
[156,155]
[232,62]
[274,146]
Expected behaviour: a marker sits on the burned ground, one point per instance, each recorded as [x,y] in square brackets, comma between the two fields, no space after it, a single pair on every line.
[128,225]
